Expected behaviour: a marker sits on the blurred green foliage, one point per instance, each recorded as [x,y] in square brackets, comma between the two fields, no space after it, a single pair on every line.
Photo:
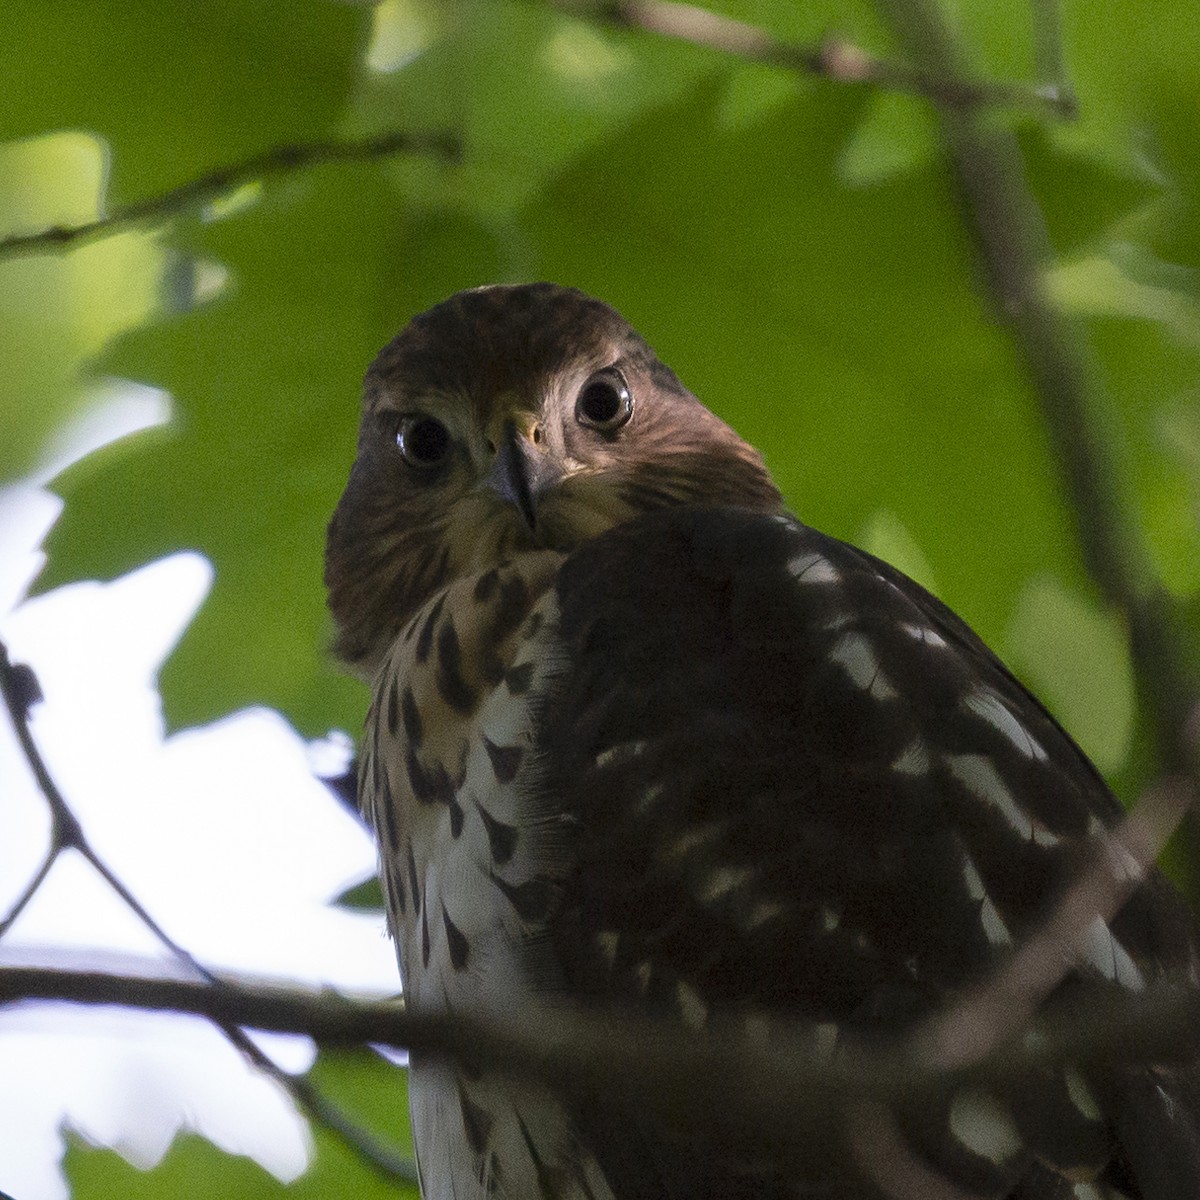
[790,245]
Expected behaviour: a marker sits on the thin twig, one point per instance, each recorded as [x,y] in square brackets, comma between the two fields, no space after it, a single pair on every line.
[1049,55]
[213,185]
[14,687]
[1002,1004]
[67,833]
[18,906]
[387,1161]
[832,58]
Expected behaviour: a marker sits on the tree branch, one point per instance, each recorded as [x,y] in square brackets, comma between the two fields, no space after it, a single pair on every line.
[209,187]
[832,58]
[720,1080]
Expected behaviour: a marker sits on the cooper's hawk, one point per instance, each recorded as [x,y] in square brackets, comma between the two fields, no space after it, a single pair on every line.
[642,741]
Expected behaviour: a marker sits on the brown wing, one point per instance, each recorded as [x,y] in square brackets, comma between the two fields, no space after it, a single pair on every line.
[804,789]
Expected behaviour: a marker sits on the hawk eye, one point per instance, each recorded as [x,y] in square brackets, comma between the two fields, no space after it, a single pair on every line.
[423,441]
[605,403]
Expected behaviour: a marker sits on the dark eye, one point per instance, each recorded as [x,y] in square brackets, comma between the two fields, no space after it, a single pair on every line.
[423,441]
[605,403]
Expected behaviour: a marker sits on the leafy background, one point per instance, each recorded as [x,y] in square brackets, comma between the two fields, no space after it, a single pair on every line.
[791,245]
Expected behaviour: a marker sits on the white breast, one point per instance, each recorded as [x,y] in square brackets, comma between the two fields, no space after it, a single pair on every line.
[452,867]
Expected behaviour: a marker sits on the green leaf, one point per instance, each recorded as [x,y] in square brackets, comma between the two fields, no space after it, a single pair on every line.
[370,1090]
[885,536]
[367,894]
[1077,657]
[57,312]
[195,1167]
[178,90]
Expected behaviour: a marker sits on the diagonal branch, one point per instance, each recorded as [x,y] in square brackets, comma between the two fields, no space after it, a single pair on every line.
[387,1161]
[210,187]
[1014,249]
[1000,1006]
[30,889]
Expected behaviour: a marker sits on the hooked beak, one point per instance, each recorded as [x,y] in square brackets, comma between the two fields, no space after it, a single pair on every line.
[522,472]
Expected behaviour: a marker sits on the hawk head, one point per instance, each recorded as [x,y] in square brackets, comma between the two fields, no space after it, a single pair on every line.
[509,419]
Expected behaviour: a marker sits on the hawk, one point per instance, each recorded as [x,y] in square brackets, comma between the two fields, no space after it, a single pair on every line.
[641,741]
